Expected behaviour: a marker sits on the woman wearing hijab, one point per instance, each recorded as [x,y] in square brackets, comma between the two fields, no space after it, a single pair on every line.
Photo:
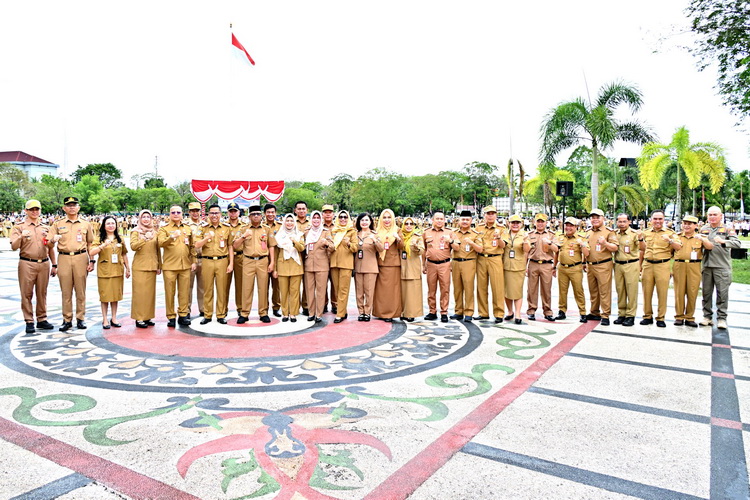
[318,246]
[146,266]
[290,243]
[411,270]
[387,300]
[342,261]
[366,265]
[514,266]
[112,264]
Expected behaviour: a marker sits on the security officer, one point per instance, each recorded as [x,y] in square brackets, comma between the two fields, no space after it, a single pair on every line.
[178,263]
[687,271]
[490,266]
[541,269]
[73,237]
[627,271]
[657,245]
[269,211]
[436,265]
[217,255]
[573,251]
[256,242]
[196,277]
[30,237]
[237,228]
[717,267]
[602,242]
[466,246]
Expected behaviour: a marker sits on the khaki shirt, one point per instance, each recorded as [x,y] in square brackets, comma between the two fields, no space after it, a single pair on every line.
[32,246]
[220,244]
[571,250]
[259,241]
[537,252]
[433,241]
[179,253]
[302,226]
[656,247]
[597,252]
[75,236]
[343,255]
[236,231]
[514,258]
[109,262]
[147,253]
[628,248]
[692,248]
[491,236]
[462,252]
[197,228]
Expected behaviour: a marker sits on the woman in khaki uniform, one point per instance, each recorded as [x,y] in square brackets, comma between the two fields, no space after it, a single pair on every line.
[342,261]
[411,271]
[113,257]
[319,246]
[366,265]
[146,266]
[290,242]
[386,303]
[517,246]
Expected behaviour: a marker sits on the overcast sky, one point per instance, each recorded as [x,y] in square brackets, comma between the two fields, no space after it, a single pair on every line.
[338,87]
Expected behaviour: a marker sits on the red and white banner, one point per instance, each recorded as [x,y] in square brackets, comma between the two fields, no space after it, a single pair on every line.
[239,51]
[229,190]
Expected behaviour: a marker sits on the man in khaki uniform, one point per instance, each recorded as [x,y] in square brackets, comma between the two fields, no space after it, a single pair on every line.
[627,271]
[269,212]
[602,242]
[196,277]
[687,271]
[657,245]
[540,268]
[303,223]
[436,265]
[256,242]
[237,228]
[73,237]
[465,247]
[490,266]
[178,262]
[30,238]
[327,213]
[217,255]
[573,251]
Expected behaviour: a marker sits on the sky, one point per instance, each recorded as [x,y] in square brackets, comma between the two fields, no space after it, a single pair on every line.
[338,87]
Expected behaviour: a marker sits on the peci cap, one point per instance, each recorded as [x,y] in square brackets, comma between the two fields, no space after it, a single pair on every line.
[571,220]
[597,211]
[254,209]
[194,205]
[515,218]
[33,204]
[488,209]
[465,213]
[327,208]
[687,218]
[233,206]
[69,200]
[540,217]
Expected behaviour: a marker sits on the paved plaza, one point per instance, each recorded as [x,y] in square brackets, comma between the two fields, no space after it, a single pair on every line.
[421,410]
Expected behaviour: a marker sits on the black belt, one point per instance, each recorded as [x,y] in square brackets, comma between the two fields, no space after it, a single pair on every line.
[571,265]
[662,261]
[438,261]
[626,261]
[79,252]
[462,260]
[213,258]
[490,254]
[541,261]
[686,260]
[256,258]
[600,261]
[38,261]
[238,252]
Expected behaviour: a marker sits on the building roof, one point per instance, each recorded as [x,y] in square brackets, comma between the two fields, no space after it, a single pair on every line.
[21,157]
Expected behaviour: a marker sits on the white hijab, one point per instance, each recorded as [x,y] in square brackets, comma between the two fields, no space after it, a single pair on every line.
[284,241]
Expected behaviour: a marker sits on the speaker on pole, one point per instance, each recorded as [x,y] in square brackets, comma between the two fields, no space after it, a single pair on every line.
[564,188]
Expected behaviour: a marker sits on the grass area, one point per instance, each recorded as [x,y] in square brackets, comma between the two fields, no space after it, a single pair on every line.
[741,271]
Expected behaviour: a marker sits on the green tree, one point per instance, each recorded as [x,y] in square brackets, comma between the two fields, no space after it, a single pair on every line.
[695,161]
[575,122]
[378,189]
[85,190]
[108,174]
[154,182]
[51,191]
[339,191]
[104,202]
[10,197]
[481,183]
[545,182]
[295,194]
[12,173]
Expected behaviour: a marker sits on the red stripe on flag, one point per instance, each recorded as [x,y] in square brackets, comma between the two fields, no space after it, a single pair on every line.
[239,46]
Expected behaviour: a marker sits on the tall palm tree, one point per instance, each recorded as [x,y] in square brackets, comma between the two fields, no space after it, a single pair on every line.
[694,160]
[571,123]
[546,181]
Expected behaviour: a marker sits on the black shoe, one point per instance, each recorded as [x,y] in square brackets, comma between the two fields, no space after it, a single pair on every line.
[594,317]
[679,322]
[532,317]
[628,321]
[115,325]
[431,317]
[106,327]
[311,318]
[284,319]
[457,316]
[549,318]
[410,320]
[305,312]
[560,315]
[661,324]
[481,317]
[367,317]
[30,328]
[67,325]
[150,323]
[205,321]
[334,310]
[141,324]
[277,313]
[171,323]
[620,320]
[338,320]
[388,320]
[265,319]
[317,320]
[647,321]
[325,308]
[605,322]
[45,325]
[691,324]
[584,319]
[468,319]
[199,314]
[293,319]
[80,324]
[184,321]
[518,321]
[222,321]
[508,317]
[241,320]
[443,318]
[361,317]
[498,320]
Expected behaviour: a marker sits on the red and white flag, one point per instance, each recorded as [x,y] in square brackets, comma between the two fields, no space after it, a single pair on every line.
[239,51]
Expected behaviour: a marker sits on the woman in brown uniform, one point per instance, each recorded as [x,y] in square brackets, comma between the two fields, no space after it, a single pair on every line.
[366,265]
[342,261]
[411,270]
[146,266]
[318,245]
[113,257]
[290,242]
[387,300]
[514,266]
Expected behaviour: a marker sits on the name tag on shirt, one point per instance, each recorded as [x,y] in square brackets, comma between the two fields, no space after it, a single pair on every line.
[694,255]
[79,237]
[468,247]
[387,245]
[512,254]
[310,247]
[572,252]
[115,258]
[187,240]
[221,243]
[627,248]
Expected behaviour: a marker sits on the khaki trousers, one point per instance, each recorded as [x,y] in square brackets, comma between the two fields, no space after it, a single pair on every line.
[237,275]
[33,278]
[719,278]
[72,273]
[332,294]
[687,281]
[571,276]
[289,294]
[655,275]
[600,288]
[490,272]
[463,286]
[196,283]
[255,271]
[364,285]
[180,280]
[626,283]
[438,274]
[539,274]
[315,283]
[214,273]
[275,294]
[342,280]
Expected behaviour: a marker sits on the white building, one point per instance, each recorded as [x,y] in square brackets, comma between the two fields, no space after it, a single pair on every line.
[33,166]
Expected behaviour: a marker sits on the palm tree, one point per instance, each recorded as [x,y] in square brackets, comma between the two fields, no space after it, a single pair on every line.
[546,180]
[571,123]
[694,160]
[635,197]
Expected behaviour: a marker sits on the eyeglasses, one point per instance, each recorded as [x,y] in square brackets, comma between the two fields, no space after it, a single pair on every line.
[408,223]
[343,216]
[175,212]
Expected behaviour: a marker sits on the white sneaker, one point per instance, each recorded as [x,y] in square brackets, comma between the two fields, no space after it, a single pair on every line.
[722,324]
[706,322]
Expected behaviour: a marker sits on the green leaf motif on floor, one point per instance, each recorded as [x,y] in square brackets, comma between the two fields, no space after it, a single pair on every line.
[512,343]
[233,468]
[341,459]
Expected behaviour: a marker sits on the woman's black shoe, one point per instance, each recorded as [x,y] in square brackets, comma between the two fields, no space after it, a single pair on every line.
[338,320]
[116,325]
[388,320]
[311,318]
[518,321]
[293,319]
[508,317]
[106,327]
[367,317]
[361,317]
[284,319]
[141,324]
[149,322]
